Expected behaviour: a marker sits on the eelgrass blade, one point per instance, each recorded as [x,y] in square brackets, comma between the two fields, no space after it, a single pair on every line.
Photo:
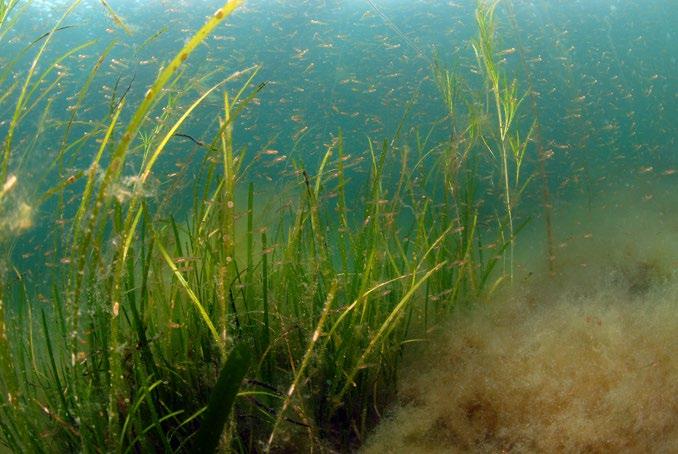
[8,374]
[268,368]
[163,78]
[389,322]
[82,93]
[21,101]
[39,81]
[304,364]
[148,165]
[116,18]
[134,408]
[222,399]
[6,8]
[55,372]
[191,294]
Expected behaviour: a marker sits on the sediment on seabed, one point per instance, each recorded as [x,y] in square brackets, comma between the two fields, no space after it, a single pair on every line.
[580,362]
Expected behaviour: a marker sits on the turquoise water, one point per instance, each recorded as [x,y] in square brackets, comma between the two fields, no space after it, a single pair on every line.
[605,73]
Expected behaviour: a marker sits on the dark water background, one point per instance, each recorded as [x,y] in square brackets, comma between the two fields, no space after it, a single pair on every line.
[606,73]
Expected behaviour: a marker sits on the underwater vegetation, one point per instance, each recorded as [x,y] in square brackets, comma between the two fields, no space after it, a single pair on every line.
[176,297]
[580,363]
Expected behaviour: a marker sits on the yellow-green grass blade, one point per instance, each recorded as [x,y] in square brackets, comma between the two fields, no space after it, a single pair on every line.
[191,295]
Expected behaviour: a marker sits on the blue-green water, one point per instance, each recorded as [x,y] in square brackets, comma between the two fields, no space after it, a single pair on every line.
[605,71]
[605,75]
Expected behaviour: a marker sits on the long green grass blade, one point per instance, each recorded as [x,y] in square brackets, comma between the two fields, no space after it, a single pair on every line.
[222,399]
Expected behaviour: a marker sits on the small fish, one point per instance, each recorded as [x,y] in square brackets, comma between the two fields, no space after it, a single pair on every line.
[510,51]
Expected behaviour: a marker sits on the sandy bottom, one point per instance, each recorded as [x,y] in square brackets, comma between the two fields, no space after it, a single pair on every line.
[585,361]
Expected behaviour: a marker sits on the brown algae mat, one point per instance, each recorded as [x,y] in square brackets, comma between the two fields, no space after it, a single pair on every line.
[584,361]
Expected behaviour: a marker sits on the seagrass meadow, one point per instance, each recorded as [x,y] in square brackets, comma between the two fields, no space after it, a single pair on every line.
[338,226]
